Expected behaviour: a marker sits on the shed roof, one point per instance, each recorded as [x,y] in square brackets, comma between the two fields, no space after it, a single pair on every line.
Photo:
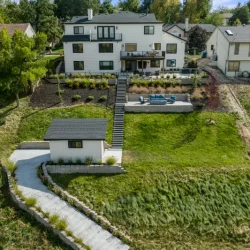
[76,129]
[14,26]
[241,34]
[116,18]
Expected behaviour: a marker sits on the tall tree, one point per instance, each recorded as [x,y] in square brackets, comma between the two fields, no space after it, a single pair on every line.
[167,11]
[129,5]
[27,11]
[145,5]
[197,38]
[20,61]
[214,18]
[242,14]
[106,7]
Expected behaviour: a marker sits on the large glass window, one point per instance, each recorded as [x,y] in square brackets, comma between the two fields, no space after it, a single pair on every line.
[236,48]
[106,65]
[142,64]
[78,30]
[106,32]
[78,65]
[130,47]
[105,47]
[77,48]
[149,30]
[171,63]
[75,144]
[171,48]
[155,63]
[233,66]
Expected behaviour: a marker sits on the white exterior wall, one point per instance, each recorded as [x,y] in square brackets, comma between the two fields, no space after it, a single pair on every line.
[212,41]
[30,31]
[60,149]
[131,33]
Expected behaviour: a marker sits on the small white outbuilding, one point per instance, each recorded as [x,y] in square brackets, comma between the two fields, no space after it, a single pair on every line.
[73,139]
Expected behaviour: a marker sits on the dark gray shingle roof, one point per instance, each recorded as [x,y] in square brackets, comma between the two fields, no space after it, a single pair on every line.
[72,38]
[208,27]
[241,34]
[116,18]
[73,129]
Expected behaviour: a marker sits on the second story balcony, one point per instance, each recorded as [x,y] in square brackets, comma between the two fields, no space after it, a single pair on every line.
[142,55]
[109,37]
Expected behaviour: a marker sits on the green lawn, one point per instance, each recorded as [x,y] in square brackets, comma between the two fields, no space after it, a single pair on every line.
[187,183]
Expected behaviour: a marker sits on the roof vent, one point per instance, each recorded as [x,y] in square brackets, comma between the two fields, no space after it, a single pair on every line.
[229,32]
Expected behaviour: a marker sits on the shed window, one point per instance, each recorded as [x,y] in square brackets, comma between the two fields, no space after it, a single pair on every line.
[171,48]
[75,144]
[237,49]
[233,66]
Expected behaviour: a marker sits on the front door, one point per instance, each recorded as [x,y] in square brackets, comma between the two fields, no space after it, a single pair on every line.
[131,66]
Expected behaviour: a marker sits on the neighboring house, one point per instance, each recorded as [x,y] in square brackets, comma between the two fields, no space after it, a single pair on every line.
[123,41]
[26,28]
[226,16]
[73,139]
[229,48]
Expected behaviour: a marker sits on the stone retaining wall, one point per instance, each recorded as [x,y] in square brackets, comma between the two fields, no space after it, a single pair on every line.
[39,217]
[33,145]
[83,169]
[110,81]
[179,97]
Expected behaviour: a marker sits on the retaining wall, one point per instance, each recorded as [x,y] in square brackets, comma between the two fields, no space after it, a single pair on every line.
[34,145]
[179,97]
[110,81]
[83,169]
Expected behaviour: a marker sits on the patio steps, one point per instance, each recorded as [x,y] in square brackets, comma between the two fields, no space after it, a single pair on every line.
[118,129]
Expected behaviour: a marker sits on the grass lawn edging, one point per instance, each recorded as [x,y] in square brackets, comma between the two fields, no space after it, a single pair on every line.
[33,211]
[92,214]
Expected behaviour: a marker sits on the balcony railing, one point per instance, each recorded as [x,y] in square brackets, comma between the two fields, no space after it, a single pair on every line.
[117,37]
[138,55]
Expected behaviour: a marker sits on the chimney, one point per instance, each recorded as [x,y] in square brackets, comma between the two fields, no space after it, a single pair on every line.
[186,24]
[90,14]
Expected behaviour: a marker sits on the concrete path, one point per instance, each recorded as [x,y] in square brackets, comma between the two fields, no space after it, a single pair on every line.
[82,227]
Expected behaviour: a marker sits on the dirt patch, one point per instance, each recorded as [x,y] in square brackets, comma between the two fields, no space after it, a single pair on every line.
[45,96]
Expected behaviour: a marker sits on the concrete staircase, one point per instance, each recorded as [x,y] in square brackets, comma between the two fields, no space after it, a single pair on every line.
[118,129]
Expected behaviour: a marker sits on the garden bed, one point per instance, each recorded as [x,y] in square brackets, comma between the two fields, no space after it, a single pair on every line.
[46,95]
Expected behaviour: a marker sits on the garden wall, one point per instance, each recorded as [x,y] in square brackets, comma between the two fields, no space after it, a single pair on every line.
[91,169]
[110,81]
[179,97]
[33,145]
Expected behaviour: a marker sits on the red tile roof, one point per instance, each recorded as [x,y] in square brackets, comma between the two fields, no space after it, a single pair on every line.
[14,26]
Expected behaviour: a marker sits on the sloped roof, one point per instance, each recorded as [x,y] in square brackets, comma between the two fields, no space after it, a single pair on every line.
[116,18]
[241,34]
[227,15]
[76,129]
[208,27]
[14,26]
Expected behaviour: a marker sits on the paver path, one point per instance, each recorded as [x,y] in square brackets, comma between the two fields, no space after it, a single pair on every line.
[81,226]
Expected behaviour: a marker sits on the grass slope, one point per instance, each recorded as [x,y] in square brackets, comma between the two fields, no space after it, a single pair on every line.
[183,187]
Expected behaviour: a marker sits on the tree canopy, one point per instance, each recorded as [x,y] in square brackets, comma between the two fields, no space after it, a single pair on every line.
[197,38]
[129,5]
[214,18]
[241,13]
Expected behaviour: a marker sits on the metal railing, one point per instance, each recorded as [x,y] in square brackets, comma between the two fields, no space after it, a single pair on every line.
[117,37]
[151,53]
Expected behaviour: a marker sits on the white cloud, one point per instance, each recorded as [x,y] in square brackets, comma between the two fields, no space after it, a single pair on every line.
[225,3]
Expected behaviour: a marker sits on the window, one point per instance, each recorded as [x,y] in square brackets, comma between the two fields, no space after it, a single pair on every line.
[78,65]
[77,48]
[171,48]
[106,32]
[236,48]
[149,30]
[175,33]
[78,30]
[105,47]
[155,63]
[157,46]
[130,47]
[106,65]
[233,66]
[140,63]
[212,47]
[75,144]
[171,63]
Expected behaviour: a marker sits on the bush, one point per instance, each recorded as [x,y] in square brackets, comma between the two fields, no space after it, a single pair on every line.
[61,224]
[84,83]
[192,64]
[103,98]
[88,160]
[76,97]
[30,202]
[78,161]
[204,75]
[2,121]
[69,83]
[111,160]
[90,98]
[60,92]
[168,76]
[54,218]
[60,161]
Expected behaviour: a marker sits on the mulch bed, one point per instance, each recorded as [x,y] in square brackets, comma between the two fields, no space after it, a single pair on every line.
[45,96]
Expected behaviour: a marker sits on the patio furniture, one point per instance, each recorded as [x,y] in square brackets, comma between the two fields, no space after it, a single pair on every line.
[142,100]
[172,99]
[157,100]
[148,73]
[157,72]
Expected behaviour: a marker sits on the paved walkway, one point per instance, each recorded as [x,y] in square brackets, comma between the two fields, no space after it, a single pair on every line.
[81,226]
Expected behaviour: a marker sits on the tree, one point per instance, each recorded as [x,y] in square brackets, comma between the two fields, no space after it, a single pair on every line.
[167,11]
[242,14]
[237,22]
[27,11]
[11,12]
[197,38]
[214,18]
[145,5]
[129,5]
[21,63]
[248,4]
[106,7]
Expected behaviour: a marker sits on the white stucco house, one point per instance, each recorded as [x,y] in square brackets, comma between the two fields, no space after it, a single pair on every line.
[229,49]
[118,42]
[26,28]
[72,139]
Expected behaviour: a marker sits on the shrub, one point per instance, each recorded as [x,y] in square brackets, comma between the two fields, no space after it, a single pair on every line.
[69,233]
[168,76]
[199,105]
[60,161]
[103,98]
[61,224]
[136,76]
[104,83]
[99,162]
[69,83]
[78,241]
[162,76]
[111,160]
[60,92]
[54,218]
[30,202]
[160,90]
[88,160]
[192,64]
[10,166]
[90,98]
[204,75]
[76,97]
[2,121]
[196,95]
[84,83]
[78,161]
[174,76]
[92,84]
[70,161]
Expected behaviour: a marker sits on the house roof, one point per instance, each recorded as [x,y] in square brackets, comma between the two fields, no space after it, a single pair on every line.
[241,34]
[76,129]
[208,27]
[116,18]
[227,15]
[14,26]
[73,38]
